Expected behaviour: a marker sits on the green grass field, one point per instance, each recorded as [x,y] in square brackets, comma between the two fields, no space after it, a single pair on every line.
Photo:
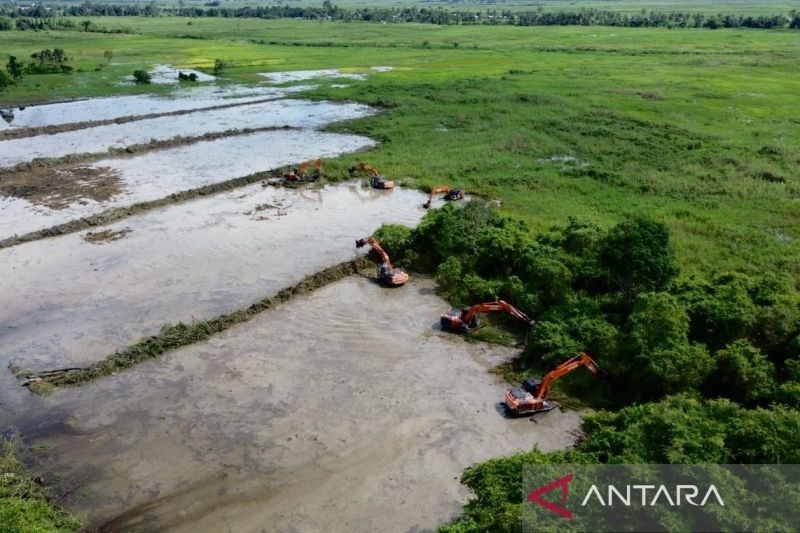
[697,128]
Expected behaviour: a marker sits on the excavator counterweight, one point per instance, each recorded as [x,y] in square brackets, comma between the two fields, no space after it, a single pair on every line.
[532,397]
[376,180]
[463,320]
[449,194]
[387,274]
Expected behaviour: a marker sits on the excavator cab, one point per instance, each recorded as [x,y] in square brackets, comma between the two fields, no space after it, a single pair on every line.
[454,194]
[380,182]
[532,385]
[387,274]
[453,320]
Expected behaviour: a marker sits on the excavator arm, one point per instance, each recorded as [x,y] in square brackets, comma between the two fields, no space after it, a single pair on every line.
[582,359]
[387,274]
[375,245]
[449,194]
[496,307]
[366,166]
[434,191]
[376,180]
[532,397]
[301,170]
[461,320]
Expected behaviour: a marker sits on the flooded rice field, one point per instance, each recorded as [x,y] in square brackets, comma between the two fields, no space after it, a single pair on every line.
[99,139]
[76,301]
[115,107]
[294,76]
[343,410]
[43,197]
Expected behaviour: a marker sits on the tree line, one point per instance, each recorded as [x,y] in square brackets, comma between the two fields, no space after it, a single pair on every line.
[441,16]
[703,369]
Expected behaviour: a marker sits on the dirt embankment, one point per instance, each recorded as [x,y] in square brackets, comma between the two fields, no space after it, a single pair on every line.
[37,188]
[130,150]
[174,336]
[20,133]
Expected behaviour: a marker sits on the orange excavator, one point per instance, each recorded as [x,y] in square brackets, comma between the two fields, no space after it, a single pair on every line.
[531,398]
[449,194]
[387,274]
[300,173]
[461,320]
[376,180]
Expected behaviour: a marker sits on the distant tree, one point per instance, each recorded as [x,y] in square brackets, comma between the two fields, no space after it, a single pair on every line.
[5,81]
[59,56]
[86,24]
[141,77]
[637,256]
[6,24]
[219,67]
[108,54]
[14,67]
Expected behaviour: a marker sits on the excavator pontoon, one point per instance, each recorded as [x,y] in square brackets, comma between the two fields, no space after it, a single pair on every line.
[300,173]
[449,194]
[461,320]
[532,397]
[387,274]
[376,180]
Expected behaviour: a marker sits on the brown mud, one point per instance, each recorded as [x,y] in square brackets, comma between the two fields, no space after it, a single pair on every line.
[118,213]
[58,189]
[346,409]
[99,237]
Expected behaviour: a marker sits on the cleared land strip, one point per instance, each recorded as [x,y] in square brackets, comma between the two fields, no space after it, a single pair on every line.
[20,133]
[173,336]
[118,213]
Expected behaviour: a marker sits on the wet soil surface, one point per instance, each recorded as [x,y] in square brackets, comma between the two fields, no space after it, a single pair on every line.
[343,410]
[101,139]
[42,197]
[75,302]
[58,189]
[86,112]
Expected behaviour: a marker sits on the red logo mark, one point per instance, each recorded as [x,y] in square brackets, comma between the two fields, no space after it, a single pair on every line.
[536,496]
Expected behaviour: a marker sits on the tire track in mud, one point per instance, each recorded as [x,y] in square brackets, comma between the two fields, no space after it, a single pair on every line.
[174,336]
[32,131]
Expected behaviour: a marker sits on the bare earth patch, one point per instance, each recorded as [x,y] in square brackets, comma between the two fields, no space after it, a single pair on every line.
[99,237]
[58,189]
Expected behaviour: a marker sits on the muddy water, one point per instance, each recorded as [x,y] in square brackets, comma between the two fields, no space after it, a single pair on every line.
[98,109]
[68,301]
[344,410]
[99,139]
[158,174]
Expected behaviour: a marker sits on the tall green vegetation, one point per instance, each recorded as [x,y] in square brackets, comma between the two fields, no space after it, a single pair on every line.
[703,370]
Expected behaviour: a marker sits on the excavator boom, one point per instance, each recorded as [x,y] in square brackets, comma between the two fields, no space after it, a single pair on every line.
[387,274]
[462,320]
[449,194]
[532,397]
[300,173]
[376,180]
